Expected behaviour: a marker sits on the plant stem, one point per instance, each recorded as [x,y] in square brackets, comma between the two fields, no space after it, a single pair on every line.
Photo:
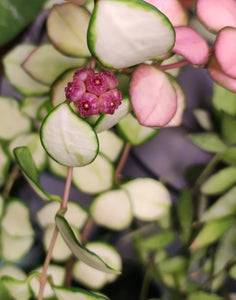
[10,181]
[92,63]
[122,162]
[87,228]
[43,277]
[179,64]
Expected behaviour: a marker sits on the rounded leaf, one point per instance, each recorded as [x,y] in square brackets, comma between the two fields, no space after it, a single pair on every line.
[67,138]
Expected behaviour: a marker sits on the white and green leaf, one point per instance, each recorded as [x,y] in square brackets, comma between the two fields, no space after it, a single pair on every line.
[67,138]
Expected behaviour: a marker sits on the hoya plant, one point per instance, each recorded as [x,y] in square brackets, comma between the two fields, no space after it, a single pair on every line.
[84,85]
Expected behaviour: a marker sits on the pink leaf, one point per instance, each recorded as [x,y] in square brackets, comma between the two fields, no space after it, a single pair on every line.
[172,9]
[225,50]
[219,76]
[216,14]
[191,45]
[177,118]
[153,97]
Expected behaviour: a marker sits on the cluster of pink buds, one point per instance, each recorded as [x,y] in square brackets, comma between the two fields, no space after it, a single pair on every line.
[94,92]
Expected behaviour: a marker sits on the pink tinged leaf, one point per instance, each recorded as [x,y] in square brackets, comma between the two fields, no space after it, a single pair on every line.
[216,14]
[153,96]
[219,76]
[225,50]
[172,9]
[191,45]
[177,118]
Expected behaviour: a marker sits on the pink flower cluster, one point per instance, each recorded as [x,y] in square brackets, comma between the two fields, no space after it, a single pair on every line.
[94,92]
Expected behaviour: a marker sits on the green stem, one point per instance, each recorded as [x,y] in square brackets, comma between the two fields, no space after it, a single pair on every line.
[179,64]
[10,181]
[43,277]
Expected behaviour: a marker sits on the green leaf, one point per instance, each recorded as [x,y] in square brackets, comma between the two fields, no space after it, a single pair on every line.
[229,156]
[159,240]
[173,265]
[211,232]
[209,142]
[225,206]
[18,289]
[4,166]
[133,132]
[185,212]
[220,181]
[68,138]
[15,15]
[82,253]
[224,100]
[135,42]
[27,165]
[203,296]
[71,293]
[228,128]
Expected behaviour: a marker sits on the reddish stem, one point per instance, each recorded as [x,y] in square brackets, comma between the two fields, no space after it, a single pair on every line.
[122,161]
[179,64]
[43,277]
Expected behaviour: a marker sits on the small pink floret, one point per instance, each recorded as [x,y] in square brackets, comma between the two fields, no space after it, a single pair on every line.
[82,74]
[75,90]
[110,101]
[88,105]
[111,79]
[97,83]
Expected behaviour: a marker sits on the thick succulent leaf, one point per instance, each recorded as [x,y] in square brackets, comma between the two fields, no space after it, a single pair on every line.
[141,32]
[225,206]
[209,142]
[14,248]
[153,97]
[67,26]
[203,118]
[220,181]
[217,14]
[13,121]
[32,142]
[229,156]
[95,279]
[95,177]
[4,166]
[88,257]
[191,45]
[15,16]
[72,293]
[110,145]
[17,76]
[16,219]
[148,206]
[27,165]
[107,121]
[67,138]
[58,87]
[178,116]
[211,232]
[112,209]
[75,214]
[31,104]
[133,132]
[219,75]
[13,271]
[224,52]
[57,274]
[45,63]
[172,9]
[229,105]
[18,289]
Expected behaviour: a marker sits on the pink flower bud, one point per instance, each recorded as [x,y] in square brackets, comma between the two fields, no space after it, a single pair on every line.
[109,101]
[111,79]
[97,83]
[75,90]
[88,105]
[82,74]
